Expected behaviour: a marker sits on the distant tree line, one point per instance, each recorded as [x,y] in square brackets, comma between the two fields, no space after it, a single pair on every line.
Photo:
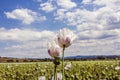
[8,59]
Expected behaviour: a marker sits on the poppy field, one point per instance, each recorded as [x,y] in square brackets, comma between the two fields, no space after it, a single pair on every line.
[75,70]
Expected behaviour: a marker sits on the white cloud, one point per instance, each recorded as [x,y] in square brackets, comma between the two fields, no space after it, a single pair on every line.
[76,16]
[37,44]
[86,1]
[52,5]
[34,49]
[26,54]
[94,47]
[25,15]
[34,44]
[60,13]
[66,4]
[101,19]
[90,26]
[106,2]
[99,34]
[25,42]
[37,0]
[47,7]
[24,35]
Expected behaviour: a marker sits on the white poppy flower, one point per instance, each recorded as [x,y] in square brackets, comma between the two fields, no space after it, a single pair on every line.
[65,37]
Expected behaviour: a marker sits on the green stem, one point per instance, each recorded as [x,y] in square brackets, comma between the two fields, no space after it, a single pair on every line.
[55,72]
[63,63]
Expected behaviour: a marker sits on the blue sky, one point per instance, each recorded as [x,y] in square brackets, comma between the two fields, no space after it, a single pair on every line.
[27,25]
[7,6]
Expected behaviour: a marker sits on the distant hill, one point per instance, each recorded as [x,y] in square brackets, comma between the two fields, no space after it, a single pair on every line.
[94,57]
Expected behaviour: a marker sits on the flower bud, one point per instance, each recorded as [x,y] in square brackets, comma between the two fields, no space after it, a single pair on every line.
[54,50]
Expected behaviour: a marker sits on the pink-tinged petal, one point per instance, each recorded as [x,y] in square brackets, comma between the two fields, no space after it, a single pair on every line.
[48,51]
[57,51]
[58,38]
[67,40]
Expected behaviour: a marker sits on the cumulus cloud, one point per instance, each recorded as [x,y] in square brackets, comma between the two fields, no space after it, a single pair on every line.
[86,1]
[60,4]
[34,49]
[60,14]
[47,7]
[25,42]
[27,16]
[99,34]
[31,53]
[109,3]
[109,46]
[66,4]
[102,21]
[24,35]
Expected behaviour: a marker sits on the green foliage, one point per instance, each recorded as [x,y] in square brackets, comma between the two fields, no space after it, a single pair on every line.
[81,70]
